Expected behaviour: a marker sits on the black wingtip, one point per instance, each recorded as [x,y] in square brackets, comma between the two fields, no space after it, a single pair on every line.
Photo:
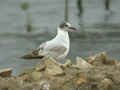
[33,55]
[28,57]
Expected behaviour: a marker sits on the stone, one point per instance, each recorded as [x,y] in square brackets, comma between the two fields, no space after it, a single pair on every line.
[36,75]
[90,59]
[52,67]
[44,85]
[6,72]
[98,58]
[100,77]
[81,63]
[81,80]
[105,84]
[25,72]
[40,67]
[101,59]
[68,63]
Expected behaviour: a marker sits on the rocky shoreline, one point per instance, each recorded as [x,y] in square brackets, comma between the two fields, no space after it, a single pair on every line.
[99,72]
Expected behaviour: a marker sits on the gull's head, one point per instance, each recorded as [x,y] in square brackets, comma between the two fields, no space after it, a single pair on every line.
[66,26]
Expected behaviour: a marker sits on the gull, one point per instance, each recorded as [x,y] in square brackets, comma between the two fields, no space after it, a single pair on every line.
[58,47]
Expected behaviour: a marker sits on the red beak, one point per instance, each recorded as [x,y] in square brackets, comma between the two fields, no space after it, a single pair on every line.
[72,28]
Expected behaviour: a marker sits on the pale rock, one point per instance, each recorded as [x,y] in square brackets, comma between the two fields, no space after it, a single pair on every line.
[68,63]
[36,75]
[53,67]
[101,58]
[102,54]
[81,63]
[105,84]
[40,67]
[44,85]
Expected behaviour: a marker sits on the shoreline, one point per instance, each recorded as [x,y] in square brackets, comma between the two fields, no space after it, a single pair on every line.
[99,72]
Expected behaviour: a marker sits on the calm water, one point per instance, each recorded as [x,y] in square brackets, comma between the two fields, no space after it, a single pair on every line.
[98,30]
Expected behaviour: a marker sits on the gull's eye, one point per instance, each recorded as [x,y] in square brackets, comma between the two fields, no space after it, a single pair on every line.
[63,25]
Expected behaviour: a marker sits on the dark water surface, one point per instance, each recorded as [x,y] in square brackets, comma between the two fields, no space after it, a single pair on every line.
[98,30]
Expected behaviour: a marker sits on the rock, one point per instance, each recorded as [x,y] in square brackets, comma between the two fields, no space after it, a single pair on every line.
[24,79]
[53,68]
[81,80]
[103,76]
[36,76]
[25,72]
[81,63]
[97,59]
[44,85]
[68,63]
[9,84]
[41,85]
[40,67]
[105,84]
[100,59]
[90,59]
[6,72]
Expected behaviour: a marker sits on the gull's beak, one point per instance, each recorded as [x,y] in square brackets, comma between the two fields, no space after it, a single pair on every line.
[72,28]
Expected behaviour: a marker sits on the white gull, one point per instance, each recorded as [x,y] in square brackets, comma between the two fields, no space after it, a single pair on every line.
[58,47]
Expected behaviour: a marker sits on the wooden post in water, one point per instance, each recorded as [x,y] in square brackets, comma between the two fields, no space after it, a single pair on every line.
[80,7]
[107,4]
[25,7]
[66,11]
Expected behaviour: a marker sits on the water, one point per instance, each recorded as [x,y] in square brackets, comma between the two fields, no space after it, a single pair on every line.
[98,30]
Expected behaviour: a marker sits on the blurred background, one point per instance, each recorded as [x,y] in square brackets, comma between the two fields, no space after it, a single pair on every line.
[24,24]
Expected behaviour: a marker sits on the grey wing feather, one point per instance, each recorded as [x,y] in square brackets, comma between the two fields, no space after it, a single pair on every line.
[55,50]
[58,49]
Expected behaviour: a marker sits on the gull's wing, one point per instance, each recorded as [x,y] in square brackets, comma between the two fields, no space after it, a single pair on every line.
[53,50]
[47,49]
[34,54]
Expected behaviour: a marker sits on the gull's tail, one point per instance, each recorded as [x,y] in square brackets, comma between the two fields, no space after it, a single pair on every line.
[32,55]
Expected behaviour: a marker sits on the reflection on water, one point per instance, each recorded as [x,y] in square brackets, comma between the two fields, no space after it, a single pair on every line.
[98,30]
